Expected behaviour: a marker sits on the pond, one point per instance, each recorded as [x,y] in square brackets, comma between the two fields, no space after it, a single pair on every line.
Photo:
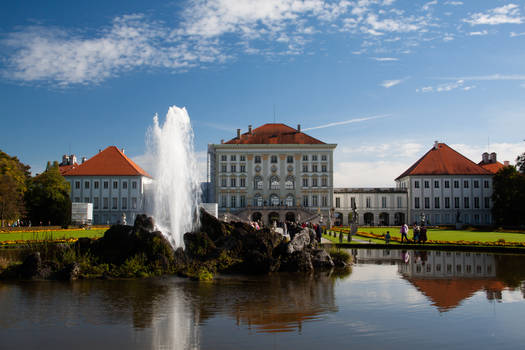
[390,299]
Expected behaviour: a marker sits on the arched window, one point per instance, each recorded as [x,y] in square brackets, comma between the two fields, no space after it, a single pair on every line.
[274,183]
[274,200]
[258,183]
[289,200]
[289,184]
[257,200]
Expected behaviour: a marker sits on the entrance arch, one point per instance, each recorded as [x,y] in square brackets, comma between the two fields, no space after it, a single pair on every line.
[338,219]
[290,217]
[384,219]
[369,219]
[257,216]
[273,216]
[399,219]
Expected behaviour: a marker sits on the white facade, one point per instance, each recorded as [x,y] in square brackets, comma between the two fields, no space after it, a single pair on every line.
[111,196]
[449,199]
[374,206]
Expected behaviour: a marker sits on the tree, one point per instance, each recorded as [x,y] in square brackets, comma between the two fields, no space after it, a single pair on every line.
[509,197]
[48,197]
[520,163]
[14,179]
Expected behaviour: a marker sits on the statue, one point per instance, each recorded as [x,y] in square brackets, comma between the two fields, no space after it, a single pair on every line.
[353,225]
[123,219]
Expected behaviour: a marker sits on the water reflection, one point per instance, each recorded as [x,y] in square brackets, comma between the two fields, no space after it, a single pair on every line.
[449,278]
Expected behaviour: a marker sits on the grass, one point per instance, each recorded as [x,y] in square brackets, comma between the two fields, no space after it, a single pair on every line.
[356,239]
[51,235]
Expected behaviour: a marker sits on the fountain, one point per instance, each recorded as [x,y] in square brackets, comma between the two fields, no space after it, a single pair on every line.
[175,192]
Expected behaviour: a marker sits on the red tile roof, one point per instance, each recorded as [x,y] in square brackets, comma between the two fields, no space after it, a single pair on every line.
[65,168]
[492,167]
[109,162]
[274,134]
[444,161]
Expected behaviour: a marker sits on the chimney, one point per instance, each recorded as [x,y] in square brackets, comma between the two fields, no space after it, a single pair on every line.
[222,141]
[84,159]
[436,144]
[506,163]
[493,157]
[73,159]
[485,157]
[65,160]
[99,150]
[298,127]
[250,129]
[238,133]
[123,151]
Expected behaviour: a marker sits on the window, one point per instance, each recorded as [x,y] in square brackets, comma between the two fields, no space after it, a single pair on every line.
[487,202]
[95,203]
[486,184]
[456,184]
[323,168]
[399,202]
[242,158]
[77,199]
[95,184]
[124,203]
[274,183]
[314,168]
[416,203]
[257,200]
[305,168]
[134,185]
[305,182]
[324,182]
[273,159]
[324,157]
[233,157]
[134,203]
[223,201]
[105,203]
[223,182]
[314,201]
[86,184]
[125,185]
[456,202]
[447,202]
[427,184]
[86,199]
[324,201]
[289,183]
[115,184]
[242,182]
[447,184]
[368,202]
[314,182]
[476,184]
[233,182]
[305,201]
[289,159]
[476,202]
[305,157]
[383,202]
[77,184]
[436,184]
[427,202]
[233,168]
[466,203]
[243,168]
[114,203]
[352,202]
[337,202]
[223,168]
[258,183]
[465,184]
[243,201]
[314,157]
[233,202]
[224,158]
[257,159]
[416,184]
[436,202]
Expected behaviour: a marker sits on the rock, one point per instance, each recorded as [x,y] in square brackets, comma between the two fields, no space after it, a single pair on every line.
[143,223]
[200,246]
[71,271]
[300,242]
[31,265]
[321,259]
[298,261]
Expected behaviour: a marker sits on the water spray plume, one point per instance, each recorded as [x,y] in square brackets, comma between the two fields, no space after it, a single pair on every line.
[176,189]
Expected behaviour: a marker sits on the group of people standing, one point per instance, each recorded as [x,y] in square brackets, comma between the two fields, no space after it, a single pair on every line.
[420,234]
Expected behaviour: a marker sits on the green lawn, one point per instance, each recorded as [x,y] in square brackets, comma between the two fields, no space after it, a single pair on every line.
[452,235]
[51,235]
[356,239]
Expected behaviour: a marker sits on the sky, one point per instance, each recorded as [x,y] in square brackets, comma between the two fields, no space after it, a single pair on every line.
[383,79]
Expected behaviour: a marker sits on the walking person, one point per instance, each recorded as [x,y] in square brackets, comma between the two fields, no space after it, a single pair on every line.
[423,235]
[404,231]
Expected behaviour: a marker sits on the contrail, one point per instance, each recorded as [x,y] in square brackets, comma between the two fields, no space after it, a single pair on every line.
[349,121]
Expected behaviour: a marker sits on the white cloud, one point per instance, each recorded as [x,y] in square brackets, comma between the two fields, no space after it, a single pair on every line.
[428,5]
[458,84]
[504,150]
[344,122]
[513,34]
[483,32]
[489,77]
[367,174]
[509,13]
[454,3]
[448,37]
[385,59]
[389,83]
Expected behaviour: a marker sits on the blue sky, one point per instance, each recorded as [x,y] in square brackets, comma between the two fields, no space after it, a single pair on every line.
[383,79]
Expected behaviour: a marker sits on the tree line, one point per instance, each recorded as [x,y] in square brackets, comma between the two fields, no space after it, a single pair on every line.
[40,200]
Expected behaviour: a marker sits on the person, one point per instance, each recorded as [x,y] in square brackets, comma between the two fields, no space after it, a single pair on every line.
[387,237]
[417,231]
[423,235]
[404,231]
[318,232]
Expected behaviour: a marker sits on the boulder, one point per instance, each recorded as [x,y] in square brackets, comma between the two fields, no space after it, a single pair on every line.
[321,259]
[31,265]
[300,242]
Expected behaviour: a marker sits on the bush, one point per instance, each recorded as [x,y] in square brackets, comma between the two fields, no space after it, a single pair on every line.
[340,257]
